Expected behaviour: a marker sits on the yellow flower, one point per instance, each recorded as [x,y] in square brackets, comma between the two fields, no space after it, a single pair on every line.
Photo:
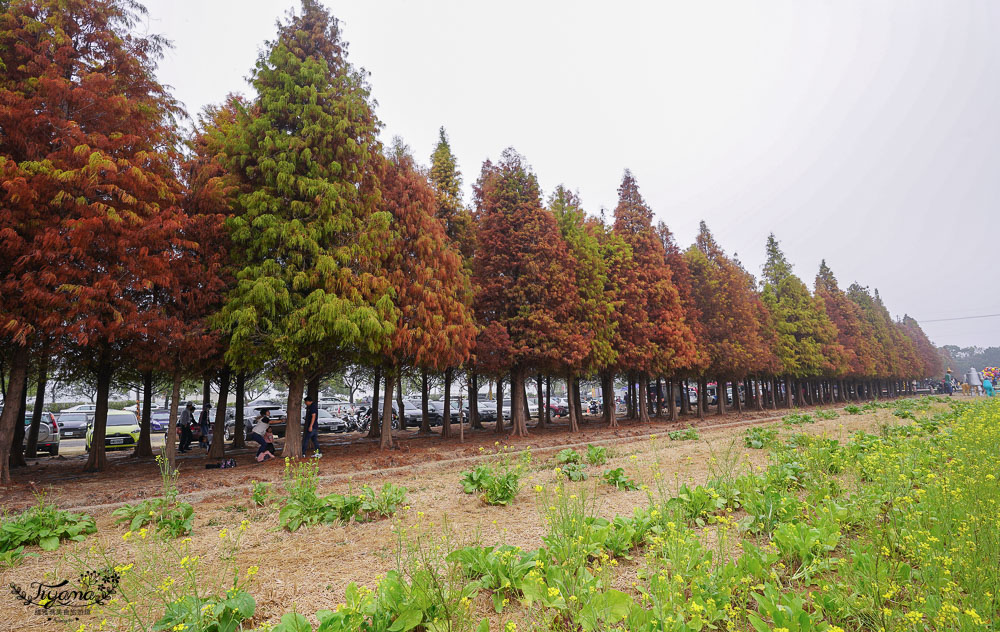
[223,534]
[126,535]
[538,488]
[252,571]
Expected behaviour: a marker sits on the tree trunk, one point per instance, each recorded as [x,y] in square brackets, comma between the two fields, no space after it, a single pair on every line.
[31,449]
[643,398]
[499,425]
[474,421]
[12,404]
[312,387]
[425,419]
[170,441]
[97,461]
[574,418]
[239,424]
[17,446]
[608,395]
[671,400]
[144,449]
[401,419]
[218,448]
[658,397]
[757,394]
[720,396]
[518,403]
[548,398]
[206,392]
[541,400]
[385,442]
[701,398]
[631,411]
[375,428]
[446,415]
[293,421]
[788,392]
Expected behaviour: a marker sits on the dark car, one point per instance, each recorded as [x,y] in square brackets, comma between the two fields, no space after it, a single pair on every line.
[159,420]
[72,424]
[487,409]
[48,433]
[328,423]
[435,412]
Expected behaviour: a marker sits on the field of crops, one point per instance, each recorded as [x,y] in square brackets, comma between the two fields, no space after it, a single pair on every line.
[894,528]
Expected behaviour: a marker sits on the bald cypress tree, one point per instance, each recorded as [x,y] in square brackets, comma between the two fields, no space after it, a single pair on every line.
[806,340]
[306,233]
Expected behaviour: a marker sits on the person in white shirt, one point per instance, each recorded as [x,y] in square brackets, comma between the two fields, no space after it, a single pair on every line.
[261,433]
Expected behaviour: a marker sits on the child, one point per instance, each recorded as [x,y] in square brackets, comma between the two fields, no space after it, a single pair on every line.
[266,450]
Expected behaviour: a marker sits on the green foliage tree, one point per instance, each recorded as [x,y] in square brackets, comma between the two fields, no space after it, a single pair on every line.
[806,339]
[597,295]
[307,233]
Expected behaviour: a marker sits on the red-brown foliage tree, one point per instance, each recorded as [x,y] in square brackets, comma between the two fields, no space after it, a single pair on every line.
[653,336]
[89,218]
[522,268]
[435,329]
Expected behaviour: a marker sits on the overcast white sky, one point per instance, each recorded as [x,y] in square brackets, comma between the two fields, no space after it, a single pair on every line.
[866,133]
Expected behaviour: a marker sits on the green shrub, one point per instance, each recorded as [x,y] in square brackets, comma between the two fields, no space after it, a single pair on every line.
[759,438]
[165,513]
[499,480]
[618,479]
[597,455]
[568,455]
[687,434]
[42,524]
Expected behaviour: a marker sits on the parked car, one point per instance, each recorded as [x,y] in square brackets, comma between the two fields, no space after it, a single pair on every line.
[328,423]
[487,410]
[72,424]
[558,406]
[253,409]
[122,431]
[82,408]
[48,433]
[159,420]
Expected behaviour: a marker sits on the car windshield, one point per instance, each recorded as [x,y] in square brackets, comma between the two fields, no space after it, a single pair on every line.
[121,419]
[323,414]
[506,403]
[72,417]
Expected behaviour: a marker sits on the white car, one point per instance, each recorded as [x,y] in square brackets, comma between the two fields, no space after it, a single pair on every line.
[90,409]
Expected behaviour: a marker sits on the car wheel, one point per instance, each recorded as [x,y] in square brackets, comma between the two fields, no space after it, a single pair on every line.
[54,450]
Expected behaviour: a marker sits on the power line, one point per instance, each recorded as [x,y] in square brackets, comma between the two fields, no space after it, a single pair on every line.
[941,320]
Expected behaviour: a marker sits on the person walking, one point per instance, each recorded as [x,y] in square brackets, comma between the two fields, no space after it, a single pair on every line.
[187,418]
[947,382]
[310,431]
